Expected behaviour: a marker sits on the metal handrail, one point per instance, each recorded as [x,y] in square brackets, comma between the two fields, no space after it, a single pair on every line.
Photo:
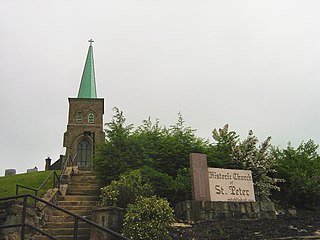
[76,217]
[63,169]
[55,176]
[66,164]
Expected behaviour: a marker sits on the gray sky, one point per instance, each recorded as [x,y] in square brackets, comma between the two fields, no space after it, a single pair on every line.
[253,64]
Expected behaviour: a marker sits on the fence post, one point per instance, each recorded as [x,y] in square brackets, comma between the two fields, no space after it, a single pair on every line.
[23,220]
[17,189]
[75,232]
[54,179]
[35,200]
[58,182]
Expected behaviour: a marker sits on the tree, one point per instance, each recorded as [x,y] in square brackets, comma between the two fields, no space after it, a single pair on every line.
[247,155]
[163,149]
[300,168]
[225,142]
[177,143]
[120,153]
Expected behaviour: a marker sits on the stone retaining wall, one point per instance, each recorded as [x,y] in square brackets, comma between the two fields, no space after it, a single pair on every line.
[10,213]
[203,211]
[109,217]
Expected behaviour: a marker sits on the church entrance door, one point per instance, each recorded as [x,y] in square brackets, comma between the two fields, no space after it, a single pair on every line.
[84,154]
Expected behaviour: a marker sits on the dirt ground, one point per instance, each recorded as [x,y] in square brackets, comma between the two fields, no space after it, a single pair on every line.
[305,225]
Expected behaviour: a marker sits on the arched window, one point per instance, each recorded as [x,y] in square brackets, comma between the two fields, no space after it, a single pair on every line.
[84,154]
[90,118]
[79,117]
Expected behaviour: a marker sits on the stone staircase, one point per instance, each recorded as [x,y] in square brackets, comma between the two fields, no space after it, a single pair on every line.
[81,196]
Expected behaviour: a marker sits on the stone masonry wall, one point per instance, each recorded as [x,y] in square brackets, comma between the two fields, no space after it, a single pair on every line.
[11,213]
[109,217]
[206,210]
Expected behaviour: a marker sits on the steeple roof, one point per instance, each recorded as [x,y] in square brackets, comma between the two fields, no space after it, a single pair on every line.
[88,82]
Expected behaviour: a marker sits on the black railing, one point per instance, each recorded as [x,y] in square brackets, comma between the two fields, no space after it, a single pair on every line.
[77,218]
[68,163]
[55,183]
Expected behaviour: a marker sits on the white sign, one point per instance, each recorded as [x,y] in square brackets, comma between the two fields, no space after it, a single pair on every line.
[231,185]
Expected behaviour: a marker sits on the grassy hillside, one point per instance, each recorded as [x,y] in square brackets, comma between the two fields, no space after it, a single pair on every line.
[34,180]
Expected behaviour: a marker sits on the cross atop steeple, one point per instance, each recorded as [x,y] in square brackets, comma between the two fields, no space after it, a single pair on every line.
[91,41]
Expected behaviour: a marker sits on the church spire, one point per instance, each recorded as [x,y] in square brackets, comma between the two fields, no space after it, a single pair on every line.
[88,82]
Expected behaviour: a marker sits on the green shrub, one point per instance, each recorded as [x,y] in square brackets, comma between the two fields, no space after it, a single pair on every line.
[165,149]
[148,218]
[300,168]
[120,152]
[182,185]
[162,184]
[125,190]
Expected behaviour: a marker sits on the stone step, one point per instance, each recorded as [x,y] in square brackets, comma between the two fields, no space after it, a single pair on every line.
[68,237]
[78,198]
[78,212]
[85,172]
[65,204]
[84,187]
[81,190]
[66,231]
[63,218]
[72,208]
[86,192]
[85,178]
[81,196]
[55,225]
[84,184]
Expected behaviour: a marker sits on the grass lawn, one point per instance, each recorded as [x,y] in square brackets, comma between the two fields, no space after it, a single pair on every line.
[33,179]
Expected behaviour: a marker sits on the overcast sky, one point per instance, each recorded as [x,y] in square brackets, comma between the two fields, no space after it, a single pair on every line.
[253,64]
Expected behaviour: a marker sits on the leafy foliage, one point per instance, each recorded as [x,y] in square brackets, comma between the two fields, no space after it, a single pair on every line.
[300,168]
[247,155]
[163,149]
[168,149]
[165,186]
[124,191]
[120,153]
[162,155]
[148,218]
[162,184]
[260,161]
[225,141]
[182,185]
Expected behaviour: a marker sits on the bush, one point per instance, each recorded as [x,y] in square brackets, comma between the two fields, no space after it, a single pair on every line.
[300,168]
[182,185]
[162,184]
[148,218]
[125,190]
[127,148]
[120,153]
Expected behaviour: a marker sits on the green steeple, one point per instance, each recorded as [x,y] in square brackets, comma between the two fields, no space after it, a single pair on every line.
[88,82]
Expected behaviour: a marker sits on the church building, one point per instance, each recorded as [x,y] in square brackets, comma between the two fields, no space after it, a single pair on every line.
[85,120]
